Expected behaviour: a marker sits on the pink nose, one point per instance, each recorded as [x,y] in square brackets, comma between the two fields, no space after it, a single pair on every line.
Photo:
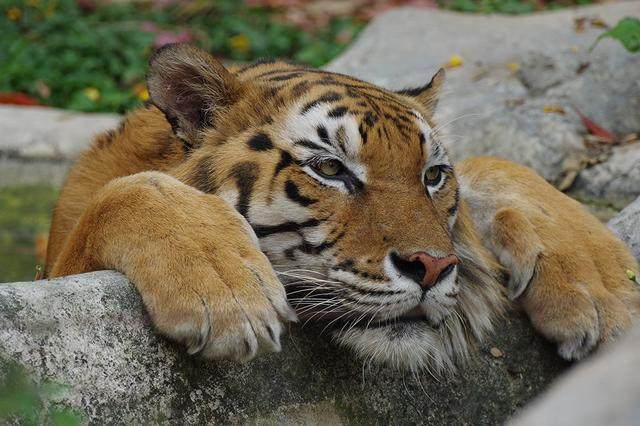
[436,268]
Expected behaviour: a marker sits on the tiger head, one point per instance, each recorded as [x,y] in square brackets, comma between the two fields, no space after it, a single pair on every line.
[350,193]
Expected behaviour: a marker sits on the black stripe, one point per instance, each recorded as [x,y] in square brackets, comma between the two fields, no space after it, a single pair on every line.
[266,230]
[255,65]
[292,191]
[285,161]
[308,144]
[327,97]
[363,133]
[338,112]
[300,88]
[260,142]
[287,76]
[323,135]
[454,209]
[245,175]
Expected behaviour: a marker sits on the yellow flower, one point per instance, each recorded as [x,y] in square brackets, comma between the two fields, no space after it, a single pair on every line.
[141,92]
[14,13]
[240,43]
[455,61]
[92,93]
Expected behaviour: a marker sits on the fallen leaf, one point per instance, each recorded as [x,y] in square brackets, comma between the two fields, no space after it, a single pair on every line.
[495,352]
[598,23]
[630,138]
[594,128]
[513,66]
[555,109]
[582,67]
[17,98]
[512,103]
[578,24]
[454,61]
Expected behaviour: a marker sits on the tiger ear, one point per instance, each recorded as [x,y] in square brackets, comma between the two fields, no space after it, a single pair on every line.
[428,94]
[190,87]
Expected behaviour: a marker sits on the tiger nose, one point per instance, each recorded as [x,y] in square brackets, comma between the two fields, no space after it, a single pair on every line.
[425,269]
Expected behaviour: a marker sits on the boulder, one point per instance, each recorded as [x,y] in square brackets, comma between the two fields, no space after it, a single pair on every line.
[604,390]
[90,332]
[37,145]
[519,89]
[626,225]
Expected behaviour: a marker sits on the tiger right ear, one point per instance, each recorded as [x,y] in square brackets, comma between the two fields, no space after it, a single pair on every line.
[190,87]
[428,94]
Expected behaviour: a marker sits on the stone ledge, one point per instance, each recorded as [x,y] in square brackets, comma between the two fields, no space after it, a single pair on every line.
[90,331]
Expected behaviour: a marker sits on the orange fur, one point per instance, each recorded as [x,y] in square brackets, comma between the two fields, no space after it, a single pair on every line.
[154,200]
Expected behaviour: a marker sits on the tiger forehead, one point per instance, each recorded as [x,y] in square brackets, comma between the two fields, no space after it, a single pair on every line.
[382,117]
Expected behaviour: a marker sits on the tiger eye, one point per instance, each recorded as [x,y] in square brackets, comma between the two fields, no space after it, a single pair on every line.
[330,167]
[432,175]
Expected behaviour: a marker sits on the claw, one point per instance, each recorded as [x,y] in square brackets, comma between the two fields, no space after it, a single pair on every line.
[205,331]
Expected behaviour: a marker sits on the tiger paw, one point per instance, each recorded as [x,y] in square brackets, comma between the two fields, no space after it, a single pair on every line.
[232,313]
[573,304]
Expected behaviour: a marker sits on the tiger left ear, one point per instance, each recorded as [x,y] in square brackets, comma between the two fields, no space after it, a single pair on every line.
[428,94]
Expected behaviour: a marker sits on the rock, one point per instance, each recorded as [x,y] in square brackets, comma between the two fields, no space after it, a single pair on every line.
[515,69]
[604,390]
[38,144]
[626,225]
[91,333]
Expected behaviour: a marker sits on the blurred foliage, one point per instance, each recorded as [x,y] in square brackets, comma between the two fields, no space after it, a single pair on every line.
[25,214]
[627,32]
[509,6]
[25,403]
[89,57]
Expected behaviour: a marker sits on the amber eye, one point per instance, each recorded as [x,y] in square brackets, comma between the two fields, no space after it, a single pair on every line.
[432,176]
[329,167]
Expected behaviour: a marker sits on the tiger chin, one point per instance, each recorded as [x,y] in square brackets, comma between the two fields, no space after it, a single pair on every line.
[243,198]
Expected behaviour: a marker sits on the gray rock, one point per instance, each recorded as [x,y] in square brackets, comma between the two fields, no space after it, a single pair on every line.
[37,145]
[626,225]
[90,332]
[604,390]
[488,109]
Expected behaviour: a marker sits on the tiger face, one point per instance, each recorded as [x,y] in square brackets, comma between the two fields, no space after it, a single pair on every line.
[350,193]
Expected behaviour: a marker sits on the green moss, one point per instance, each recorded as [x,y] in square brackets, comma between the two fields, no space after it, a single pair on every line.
[25,213]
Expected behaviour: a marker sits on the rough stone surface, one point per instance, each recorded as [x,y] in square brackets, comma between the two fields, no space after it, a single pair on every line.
[626,225]
[90,331]
[515,67]
[38,144]
[604,390]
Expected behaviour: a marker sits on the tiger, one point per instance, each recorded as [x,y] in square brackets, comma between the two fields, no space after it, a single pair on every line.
[241,199]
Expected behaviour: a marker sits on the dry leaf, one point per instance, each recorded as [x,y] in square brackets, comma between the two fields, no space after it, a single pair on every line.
[555,109]
[454,61]
[594,128]
[495,352]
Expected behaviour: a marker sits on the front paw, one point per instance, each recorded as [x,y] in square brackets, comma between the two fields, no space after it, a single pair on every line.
[232,307]
[571,303]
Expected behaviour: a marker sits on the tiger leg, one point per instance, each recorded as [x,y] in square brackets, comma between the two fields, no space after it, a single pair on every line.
[194,260]
[576,295]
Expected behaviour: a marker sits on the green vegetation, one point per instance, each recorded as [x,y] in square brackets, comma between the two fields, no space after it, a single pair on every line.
[25,403]
[508,6]
[627,32]
[95,59]
[91,55]
[25,213]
